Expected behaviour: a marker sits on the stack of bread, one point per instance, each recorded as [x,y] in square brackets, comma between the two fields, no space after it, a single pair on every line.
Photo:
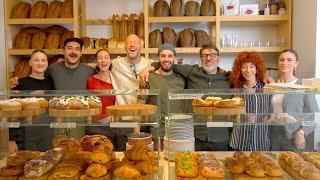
[198,165]
[18,104]
[297,167]
[256,165]
[218,102]
[15,164]
[75,103]
[41,9]
[139,161]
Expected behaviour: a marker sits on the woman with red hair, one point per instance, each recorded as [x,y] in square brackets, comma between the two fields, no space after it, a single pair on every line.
[248,73]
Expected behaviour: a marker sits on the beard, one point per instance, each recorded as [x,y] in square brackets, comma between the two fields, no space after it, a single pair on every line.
[210,69]
[164,68]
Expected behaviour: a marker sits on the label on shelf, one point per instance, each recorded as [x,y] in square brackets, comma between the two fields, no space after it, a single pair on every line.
[219,124]
[185,96]
[9,124]
[124,125]
[63,125]
[309,123]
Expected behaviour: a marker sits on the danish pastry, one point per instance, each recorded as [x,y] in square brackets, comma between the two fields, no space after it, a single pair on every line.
[96,170]
[65,172]
[100,157]
[16,160]
[126,171]
[186,165]
[28,155]
[68,144]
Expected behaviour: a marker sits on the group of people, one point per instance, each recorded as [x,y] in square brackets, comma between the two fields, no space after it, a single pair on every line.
[133,71]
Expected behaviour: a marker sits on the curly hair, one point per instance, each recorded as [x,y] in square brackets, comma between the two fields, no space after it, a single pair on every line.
[255,58]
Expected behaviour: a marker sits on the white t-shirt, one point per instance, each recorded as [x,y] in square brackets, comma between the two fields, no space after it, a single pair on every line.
[277,99]
[124,76]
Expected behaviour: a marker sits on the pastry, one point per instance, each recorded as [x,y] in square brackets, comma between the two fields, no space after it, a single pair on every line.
[176,8]
[313,157]
[65,35]
[201,103]
[21,10]
[66,9]
[209,166]
[100,157]
[187,38]
[236,167]
[169,36]
[239,101]
[16,160]
[96,170]
[161,8]
[22,41]
[186,165]
[10,105]
[139,152]
[38,40]
[255,170]
[192,8]
[202,38]
[212,99]
[52,41]
[226,103]
[43,102]
[39,9]
[272,170]
[54,9]
[94,102]
[28,103]
[65,172]
[207,8]
[11,171]
[85,177]
[155,38]
[96,143]
[28,155]
[68,144]
[147,167]
[55,29]
[126,171]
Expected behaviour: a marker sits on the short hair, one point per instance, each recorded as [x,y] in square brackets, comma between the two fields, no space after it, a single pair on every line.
[292,51]
[96,56]
[211,46]
[36,51]
[77,40]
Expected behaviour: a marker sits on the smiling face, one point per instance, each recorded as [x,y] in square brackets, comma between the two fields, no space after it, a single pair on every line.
[249,71]
[287,62]
[72,53]
[209,60]
[166,59]
[133,47]
[103,60]
[39,62]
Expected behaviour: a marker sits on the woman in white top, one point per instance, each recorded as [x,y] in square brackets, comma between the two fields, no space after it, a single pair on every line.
[299,107]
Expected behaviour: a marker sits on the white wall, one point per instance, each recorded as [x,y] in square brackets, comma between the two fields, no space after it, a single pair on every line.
[2,51]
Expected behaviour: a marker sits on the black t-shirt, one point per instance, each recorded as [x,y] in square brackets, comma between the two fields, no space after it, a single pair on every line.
[29,83]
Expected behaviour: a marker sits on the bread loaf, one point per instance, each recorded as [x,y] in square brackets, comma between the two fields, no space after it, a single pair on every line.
[66,9]
[169,36]
[161,8]
[31,30]
[124,27]
[155,39]
[202,38]
[21,10]
[112,43]
[39,9]
[55,29]
[52,41]
[207,8]
[54,9]
[23,41]
[65,35]
[87,42]
[101,43]
[140,32]
[176,8]
[186,38]
[38,40]
[192,8]
[133,24]
[22,69]
[115,26]
[56,58]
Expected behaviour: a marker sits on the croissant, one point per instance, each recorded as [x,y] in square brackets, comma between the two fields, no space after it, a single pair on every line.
[138,152]
[147,167]
[127,171]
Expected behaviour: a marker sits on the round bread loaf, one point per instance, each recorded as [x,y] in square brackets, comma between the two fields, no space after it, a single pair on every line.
[31,30]
[161,8]
[39,9]
[38,40]
[169,36]
[176,8]
[22,69]
[54,9]
[67,9]
[207,8]
[21,10]
[55,29]
[22,41]
[101,43]
[52,41]
[155,38]
[65,35]
[192,8]
[87,42]
[112,43]
[187,38]
[202,38]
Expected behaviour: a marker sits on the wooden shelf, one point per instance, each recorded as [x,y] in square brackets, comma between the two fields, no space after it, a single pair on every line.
[178,50]
[260,18]
[257,49]
[29,51]
[112,51]
[98,22]
[42,21]
[182,19]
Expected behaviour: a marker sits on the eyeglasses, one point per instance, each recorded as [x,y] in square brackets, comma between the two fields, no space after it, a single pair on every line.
[211,55]
[133,67]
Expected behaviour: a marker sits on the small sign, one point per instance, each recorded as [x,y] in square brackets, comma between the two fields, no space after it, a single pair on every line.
[185,96]
[124,125]
[219,124]
[63,125]
[309,123]
[9,125]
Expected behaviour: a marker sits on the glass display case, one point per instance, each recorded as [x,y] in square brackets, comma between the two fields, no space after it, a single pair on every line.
[87,126]
[236,133]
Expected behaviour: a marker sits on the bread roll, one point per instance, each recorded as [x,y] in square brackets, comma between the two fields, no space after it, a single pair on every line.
[115,26]
[67,9]
[52,41]
[124,27]
[87,42]
[38,40]
[155,39]
[176,8]
[207,8]
[187,38]
[39,9]
[140,31]
[202,38]
[161,8]
[55,29]
[54,9]
[31,30]
[169,36]
[22,41]
[21,10]
[192,8]
[65,35]
[22,69]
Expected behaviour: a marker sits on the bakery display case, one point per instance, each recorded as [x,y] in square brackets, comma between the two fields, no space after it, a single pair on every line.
[258,144]
[78,142]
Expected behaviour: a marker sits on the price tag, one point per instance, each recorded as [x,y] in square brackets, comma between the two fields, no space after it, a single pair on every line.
[219,124]
[309,123]
[185,96]
[63,125]
[124,125]
[9,124]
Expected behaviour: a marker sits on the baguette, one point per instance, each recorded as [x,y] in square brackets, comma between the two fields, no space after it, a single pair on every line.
[124,27]
[133,24]
[140,31]
[115,26]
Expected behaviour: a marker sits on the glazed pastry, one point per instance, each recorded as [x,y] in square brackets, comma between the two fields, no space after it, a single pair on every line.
[85,177]
[100,157]
[210,167]
[138,152]
[96,143]
[313,157]
[147,167]
[65,172]
[94,102]
[236,167]
[28,103]
[186,165]
[255,170]
[126,171]
[11,171]
[272,170]
[96,170]
[16,160]
[68,144]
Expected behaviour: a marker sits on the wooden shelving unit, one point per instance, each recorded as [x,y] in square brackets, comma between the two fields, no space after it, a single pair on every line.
[182,19]
[41,21]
